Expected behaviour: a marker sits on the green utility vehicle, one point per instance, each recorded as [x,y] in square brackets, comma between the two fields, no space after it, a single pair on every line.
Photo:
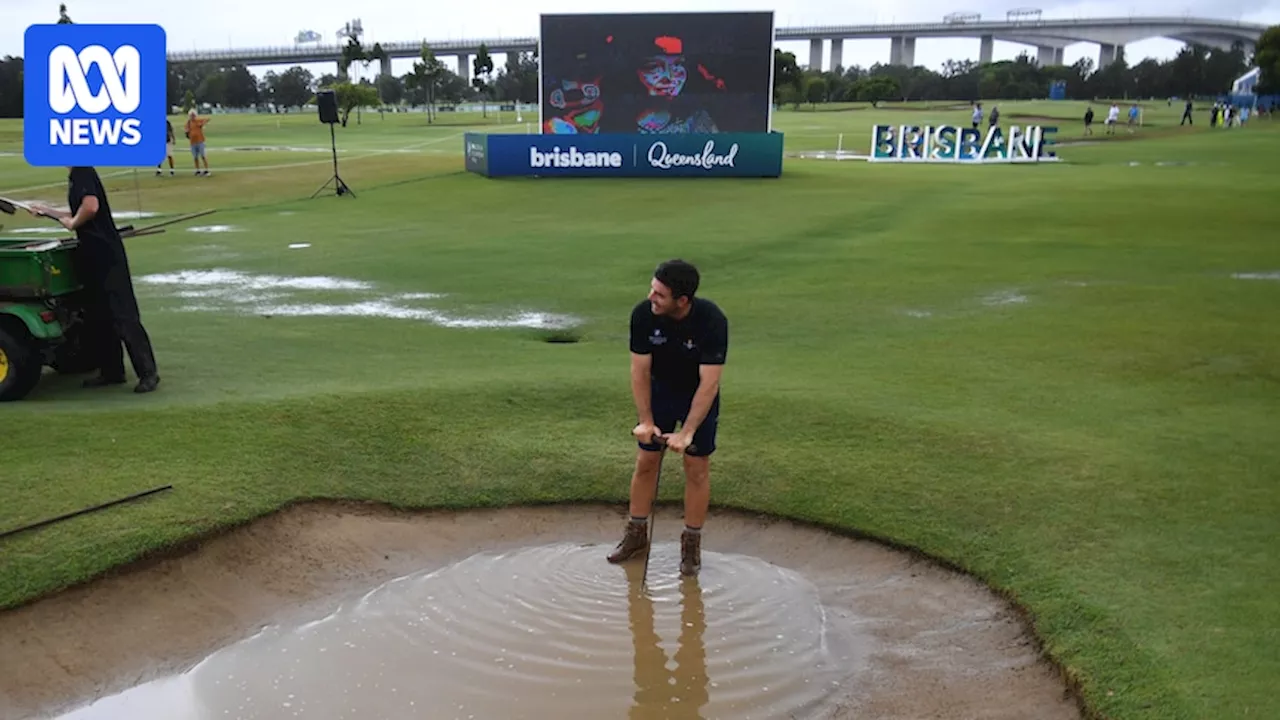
[41,313]
[42,305]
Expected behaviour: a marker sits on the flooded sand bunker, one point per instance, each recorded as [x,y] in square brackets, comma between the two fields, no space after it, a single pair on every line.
[514,613]
[556,629]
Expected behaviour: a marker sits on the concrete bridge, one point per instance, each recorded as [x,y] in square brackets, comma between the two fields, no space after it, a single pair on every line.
[1049,37]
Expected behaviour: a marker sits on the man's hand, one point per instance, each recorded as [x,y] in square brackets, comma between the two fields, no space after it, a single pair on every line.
[646,432]
[678,442]
[37,210]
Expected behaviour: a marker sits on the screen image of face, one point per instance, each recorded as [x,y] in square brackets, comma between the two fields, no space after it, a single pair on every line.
[657,73]
[578,106]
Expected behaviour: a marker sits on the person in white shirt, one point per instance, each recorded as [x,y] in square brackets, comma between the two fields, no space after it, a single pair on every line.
[1113,116]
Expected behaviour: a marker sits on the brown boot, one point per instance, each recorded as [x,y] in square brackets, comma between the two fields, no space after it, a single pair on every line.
[690,553]
[635,540]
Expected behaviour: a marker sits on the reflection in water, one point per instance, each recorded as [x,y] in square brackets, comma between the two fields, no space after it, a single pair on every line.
[661,692]
[543,632]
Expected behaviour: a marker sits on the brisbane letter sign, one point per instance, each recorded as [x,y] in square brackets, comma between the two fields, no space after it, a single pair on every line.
[951,144]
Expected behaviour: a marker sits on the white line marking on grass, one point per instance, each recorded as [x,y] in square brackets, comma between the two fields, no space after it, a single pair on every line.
[374,153]
[281,166]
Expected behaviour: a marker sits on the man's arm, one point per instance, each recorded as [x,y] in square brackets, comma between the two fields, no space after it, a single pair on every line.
[88,209]
[641,363]
[715,350]
[708,386]
[640,387]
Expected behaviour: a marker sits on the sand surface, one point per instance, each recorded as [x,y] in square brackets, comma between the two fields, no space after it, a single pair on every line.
[909,639]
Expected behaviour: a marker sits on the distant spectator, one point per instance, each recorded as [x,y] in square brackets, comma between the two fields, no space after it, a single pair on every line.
[1088,121]
[195,133]
[1113,117]
[1186,115]
[168,148]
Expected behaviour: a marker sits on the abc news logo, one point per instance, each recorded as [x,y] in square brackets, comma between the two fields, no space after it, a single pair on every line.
[69,91]
[95,95]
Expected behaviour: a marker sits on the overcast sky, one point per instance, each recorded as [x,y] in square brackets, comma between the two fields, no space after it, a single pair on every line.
[240,23]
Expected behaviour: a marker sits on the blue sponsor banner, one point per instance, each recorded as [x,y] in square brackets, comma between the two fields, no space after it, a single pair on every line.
[94,95]
[477,157]
[590,155]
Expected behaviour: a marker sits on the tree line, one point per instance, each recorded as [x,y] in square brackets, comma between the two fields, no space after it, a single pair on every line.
[1196,71]
[430,83]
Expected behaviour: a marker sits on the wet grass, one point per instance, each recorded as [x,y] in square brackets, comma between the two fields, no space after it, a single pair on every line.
[1046,375]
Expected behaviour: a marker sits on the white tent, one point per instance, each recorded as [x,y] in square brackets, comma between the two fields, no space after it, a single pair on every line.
[1245,84]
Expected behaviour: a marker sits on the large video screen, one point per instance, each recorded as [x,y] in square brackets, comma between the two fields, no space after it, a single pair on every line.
[657,73]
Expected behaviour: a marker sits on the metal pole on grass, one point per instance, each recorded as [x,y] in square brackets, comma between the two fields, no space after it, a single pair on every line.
[95,508]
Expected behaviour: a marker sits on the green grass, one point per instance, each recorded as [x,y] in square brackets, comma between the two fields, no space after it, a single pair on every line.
[1103,451]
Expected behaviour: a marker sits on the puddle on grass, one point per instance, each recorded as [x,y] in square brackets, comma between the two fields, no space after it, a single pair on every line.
[543,632]
[213,229]
[1005,297]
[210,253]
[831,155]
[221,290]
[228,282]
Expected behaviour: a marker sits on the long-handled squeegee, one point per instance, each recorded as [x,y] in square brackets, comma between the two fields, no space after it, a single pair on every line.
[11,206]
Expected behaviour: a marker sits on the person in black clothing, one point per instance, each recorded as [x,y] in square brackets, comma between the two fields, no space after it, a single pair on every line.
[678,347]
[111,313]
[1186,115]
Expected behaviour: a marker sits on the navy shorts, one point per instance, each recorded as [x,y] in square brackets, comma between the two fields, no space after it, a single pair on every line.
[669,407]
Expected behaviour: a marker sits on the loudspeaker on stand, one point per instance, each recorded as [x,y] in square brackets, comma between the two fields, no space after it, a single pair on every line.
[327,103]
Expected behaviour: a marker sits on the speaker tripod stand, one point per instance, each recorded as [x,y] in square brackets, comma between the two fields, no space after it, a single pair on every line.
[339,185]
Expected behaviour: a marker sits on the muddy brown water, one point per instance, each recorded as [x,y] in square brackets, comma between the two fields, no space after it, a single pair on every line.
[333,612]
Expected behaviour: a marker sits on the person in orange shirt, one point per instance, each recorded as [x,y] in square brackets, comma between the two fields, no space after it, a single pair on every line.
[195,133]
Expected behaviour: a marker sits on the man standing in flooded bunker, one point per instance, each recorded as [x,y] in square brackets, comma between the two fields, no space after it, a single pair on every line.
[679,343]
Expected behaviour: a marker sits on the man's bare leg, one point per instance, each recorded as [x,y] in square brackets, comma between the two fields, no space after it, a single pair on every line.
[644,481]
[697,490]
